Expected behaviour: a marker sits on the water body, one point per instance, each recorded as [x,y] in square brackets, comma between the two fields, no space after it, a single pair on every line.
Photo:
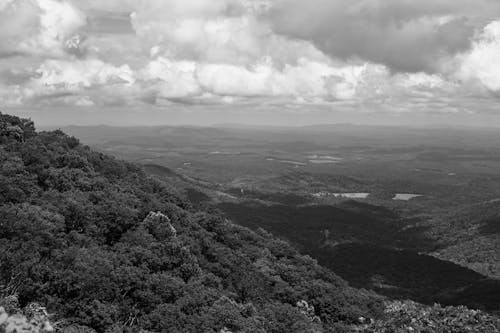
[406,196]
[224,153]
[323,159]
[342,195]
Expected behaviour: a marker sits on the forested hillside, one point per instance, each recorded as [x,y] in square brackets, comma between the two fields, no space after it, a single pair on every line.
[101,246]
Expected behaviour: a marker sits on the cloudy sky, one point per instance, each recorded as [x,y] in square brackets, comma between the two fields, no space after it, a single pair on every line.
[254,61]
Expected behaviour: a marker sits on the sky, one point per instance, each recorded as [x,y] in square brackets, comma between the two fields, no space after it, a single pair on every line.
[276,62]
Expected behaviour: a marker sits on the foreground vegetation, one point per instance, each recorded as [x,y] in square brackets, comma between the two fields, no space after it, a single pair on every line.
[104,247]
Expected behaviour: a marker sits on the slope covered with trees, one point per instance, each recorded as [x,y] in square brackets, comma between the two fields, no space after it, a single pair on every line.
[101,244]
[104,247]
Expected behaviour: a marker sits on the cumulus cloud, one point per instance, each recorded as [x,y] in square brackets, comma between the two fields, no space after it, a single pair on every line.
[400,54]
[481,64]
[402,34]
[38,27]
[220,31]
[171,79]
[77,73]
[77,82]
[307,80]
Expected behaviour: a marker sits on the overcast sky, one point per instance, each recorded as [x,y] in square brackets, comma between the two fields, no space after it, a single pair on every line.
[255,61]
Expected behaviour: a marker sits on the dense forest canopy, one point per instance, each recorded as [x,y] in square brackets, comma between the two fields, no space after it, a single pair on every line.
[80,233]
[103,246]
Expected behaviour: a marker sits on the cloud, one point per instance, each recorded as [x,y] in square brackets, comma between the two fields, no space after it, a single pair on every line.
[76,82]
[207,31]
[481,65]
[38,27]
[400,55]
[76,73]
[307,80]
[93,82]
[407,36]
[15,76]
[168,79]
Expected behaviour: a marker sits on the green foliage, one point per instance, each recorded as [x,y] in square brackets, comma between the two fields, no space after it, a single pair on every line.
[362,244]
[408,316]
[108,249]
[105,247]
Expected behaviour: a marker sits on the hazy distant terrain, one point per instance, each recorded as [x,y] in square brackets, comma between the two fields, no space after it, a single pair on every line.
[92,243]
[337,190]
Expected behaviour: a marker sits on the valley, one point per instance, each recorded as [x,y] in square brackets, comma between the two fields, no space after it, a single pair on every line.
[406,212]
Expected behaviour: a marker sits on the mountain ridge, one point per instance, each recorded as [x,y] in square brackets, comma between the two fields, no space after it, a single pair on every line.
[104,246]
